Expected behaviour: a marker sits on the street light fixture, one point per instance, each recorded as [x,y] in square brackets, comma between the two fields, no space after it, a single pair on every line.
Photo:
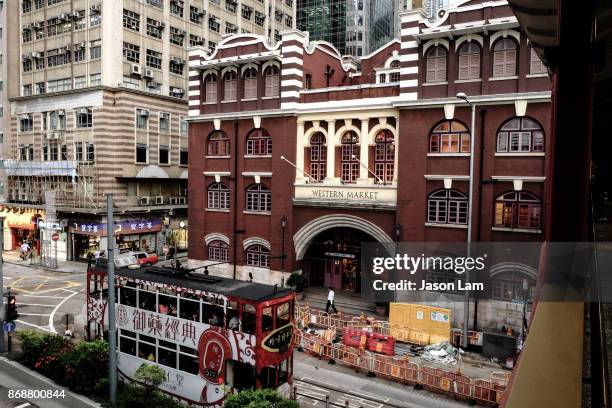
[283,225]
[466,308]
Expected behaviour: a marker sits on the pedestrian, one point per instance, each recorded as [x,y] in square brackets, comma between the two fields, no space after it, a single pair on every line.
[90,257]
[25,250]
[330,301]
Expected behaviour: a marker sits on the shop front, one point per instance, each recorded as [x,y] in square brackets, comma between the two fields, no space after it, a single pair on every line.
[22,226]
[130,235]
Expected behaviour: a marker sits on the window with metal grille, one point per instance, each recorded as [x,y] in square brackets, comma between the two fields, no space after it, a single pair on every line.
[449,136]
[153,28]
[447,207]
[518,209]
[536,66]
[218,144]
[164,154]
[164,122]
[176,7]
[84,118]
[350,157]
[258,198]
[217,251]
[384,157]
[504,58]
[210,83]
[250,83]
[183,157]
[436,64]
[318,157]
[26,123]
[154,59]
[195,14]
[131,20]
[141,153]
[272,78]
[469,61]
[259,143]
[131,52]
[177,36]
[260,18]
[218,197]
[229,86]
[258,255]
[176,67]
[520,135]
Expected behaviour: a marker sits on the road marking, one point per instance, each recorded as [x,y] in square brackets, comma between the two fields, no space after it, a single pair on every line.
[34,325]
[40,285]
[34,304]
[27,404]
[56,309]
[42,296]
[33,314]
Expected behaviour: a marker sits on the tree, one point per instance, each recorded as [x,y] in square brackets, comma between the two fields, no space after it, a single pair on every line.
[150,375]
[264,398]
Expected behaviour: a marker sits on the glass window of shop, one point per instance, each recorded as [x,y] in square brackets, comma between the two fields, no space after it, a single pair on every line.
[137,242]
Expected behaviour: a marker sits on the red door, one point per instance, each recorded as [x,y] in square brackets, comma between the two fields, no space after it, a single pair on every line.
[333,274]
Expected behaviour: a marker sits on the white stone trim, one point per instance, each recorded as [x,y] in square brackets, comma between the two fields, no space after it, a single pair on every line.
[247,66]
[270,63]
[340,132]
[293,60]
[216,236]
[528,179]
[442,177]
[255,241]
[469,38]
[292,71]
[304,236]
[312,130]
[505,33]
[227,69]
[505,267]
[293,48]
[377,128]
[435,43]
[291,82]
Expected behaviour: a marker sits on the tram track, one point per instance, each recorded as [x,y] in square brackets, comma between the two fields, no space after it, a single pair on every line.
[330,396]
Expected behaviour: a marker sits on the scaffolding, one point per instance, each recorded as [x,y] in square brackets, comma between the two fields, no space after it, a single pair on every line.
[74,183]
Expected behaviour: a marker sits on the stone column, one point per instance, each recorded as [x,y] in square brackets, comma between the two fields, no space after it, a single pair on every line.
[299,157]
[363,151]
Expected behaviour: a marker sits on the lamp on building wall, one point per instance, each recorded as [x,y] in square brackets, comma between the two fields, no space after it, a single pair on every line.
[283,226]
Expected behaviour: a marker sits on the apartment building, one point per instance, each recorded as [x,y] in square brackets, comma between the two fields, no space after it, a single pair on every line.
[101,106]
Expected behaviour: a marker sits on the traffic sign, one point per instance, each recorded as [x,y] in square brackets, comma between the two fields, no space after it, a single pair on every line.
[9,326]
[55,236]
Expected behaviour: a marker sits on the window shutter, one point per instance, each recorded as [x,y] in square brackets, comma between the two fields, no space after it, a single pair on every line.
[431,70]
[474,66]
[510,62]
[464,68]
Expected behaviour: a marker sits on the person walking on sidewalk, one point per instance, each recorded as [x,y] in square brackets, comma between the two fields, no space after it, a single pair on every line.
[330,301]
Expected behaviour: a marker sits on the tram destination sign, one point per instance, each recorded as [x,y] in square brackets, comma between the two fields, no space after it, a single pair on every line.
[279,340]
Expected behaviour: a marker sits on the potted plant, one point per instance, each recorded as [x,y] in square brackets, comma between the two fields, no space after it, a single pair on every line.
[381,308]
[297,281]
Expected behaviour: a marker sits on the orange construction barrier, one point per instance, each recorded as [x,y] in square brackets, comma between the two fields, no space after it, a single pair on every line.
[380,343]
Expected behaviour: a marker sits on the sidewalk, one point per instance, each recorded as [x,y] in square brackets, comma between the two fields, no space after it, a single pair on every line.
[343,379]
[12,257]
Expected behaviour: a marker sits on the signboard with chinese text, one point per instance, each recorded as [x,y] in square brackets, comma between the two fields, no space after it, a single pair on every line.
[121,227]
[278,340]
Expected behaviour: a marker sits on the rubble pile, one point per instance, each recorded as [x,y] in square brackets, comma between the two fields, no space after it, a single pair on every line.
[442,352]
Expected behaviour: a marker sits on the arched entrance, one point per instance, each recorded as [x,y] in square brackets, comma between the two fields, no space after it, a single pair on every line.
[329,249]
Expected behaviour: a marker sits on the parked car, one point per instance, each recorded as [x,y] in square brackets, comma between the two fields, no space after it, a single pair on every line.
[145,259]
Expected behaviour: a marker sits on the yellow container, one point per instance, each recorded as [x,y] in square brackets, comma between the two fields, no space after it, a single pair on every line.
[419,324]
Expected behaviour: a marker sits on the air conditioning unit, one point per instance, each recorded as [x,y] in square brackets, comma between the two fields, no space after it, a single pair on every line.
[160,24]
[62,17]
[38,25]
[26,56]
[153,84]
[96,9]
[54,135]
[73,14]
[182,200]
[182,32]
[27,26]
[144,112]
[144,201]
[82,111]
[173,201]
[61,112]
[136,70]
[159,200]
[201,13]
[80,45]
[147,73]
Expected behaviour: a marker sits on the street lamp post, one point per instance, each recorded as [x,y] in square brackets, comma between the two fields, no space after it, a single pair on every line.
[283,225]
[466,309]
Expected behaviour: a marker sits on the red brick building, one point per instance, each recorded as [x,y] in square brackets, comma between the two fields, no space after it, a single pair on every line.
[296,150]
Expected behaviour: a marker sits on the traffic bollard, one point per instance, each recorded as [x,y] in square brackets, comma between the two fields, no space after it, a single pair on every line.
[327,401]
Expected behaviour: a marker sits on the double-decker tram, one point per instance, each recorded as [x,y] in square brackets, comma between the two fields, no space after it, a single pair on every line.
[211,335]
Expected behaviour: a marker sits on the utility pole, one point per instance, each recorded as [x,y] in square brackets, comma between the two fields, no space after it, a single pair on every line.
[112,339]
[466,307]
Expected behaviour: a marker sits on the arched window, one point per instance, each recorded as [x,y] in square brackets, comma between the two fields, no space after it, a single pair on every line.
[536,66]
[218,197]
[469,61]
[518,209]
[258,255]
[350,157]
[217,251]
[250,83]
[318,157]
[259,143]
[447,207]
[229,83]
[258,198]
[218,144]
[394,64]
[509,286]
[520,135]
[436,64]
[210,84]
[504,58]
[272,76]
[384,157]
[449,136]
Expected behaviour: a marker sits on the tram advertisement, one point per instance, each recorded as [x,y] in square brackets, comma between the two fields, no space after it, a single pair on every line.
[279,340]
[214,344]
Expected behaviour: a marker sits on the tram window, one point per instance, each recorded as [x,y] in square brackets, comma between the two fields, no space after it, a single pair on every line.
[146,351]
[213,315]
[248,318]
[128,333]
[283,372]
[167,344]
[283,314]
[188,350]
[166,305]
[240,376]
[268,377]
[147,300]
[267,320]
[147,338]
[127,296]
[189,364]
[166,357]
[189,310]
[127,345]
